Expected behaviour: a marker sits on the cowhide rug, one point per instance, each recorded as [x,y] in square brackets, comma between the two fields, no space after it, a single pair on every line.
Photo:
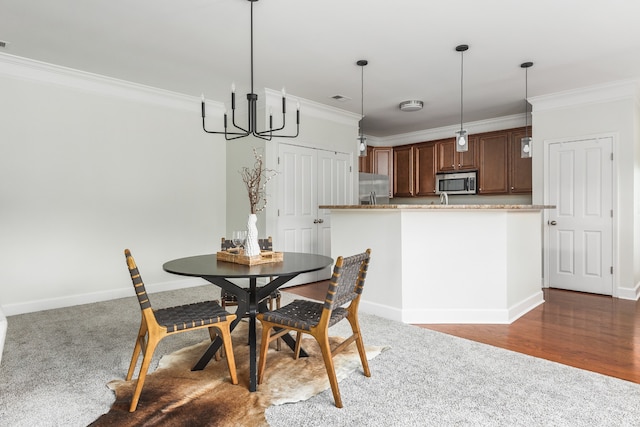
[173,395]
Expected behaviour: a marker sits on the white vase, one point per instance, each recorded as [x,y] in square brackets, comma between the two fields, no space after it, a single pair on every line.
[252,247]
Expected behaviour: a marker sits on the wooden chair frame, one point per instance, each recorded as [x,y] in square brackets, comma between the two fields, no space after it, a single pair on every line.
[320,330]
[151,332]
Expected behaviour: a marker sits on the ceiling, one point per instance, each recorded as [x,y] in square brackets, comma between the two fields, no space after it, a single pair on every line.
[311,48]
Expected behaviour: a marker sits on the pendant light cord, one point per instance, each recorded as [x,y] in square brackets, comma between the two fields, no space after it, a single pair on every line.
[461,86]
[526,103]
[361,102]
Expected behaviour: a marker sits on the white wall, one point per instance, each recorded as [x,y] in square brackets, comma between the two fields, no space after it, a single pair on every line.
[90,166]
[604,110]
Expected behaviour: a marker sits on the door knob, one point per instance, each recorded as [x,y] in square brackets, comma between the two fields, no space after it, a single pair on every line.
[551,222]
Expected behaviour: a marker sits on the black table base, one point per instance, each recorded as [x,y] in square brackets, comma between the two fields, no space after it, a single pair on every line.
[251,301]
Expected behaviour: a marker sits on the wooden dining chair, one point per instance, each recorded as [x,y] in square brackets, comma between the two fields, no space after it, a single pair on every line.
[158,324]
[315,318]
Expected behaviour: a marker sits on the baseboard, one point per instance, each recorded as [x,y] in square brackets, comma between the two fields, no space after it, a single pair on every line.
[525,306]
[79,299]
[467,316]
[632,294]
[385,311]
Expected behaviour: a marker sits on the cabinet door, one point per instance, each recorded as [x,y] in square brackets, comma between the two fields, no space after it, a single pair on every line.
[382,160]
[403,171]
[519,168]
[364,163]
[493,160]
[446,150]
[467,160]
[425,169]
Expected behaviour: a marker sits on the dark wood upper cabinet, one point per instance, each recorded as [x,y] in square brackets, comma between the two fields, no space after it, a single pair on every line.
[403,171]
[450,160]
[382,161]
[493,176]
[425,156]
[520,179]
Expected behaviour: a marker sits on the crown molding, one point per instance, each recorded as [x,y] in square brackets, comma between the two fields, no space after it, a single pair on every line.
[499,123]
[17,67]
[613,91]
[311,108]
[20,68]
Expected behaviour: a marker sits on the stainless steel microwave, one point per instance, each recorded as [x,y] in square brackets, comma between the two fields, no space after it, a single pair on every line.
[457,182]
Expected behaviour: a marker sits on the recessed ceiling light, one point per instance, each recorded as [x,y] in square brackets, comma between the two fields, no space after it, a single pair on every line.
[340,98]
[412,105]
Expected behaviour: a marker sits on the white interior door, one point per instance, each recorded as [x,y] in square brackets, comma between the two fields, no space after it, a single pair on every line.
[309,178]
[580,252]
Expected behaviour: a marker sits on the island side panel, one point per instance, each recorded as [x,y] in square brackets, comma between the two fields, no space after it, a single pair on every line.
[525,274]
[353,231]
[454,266]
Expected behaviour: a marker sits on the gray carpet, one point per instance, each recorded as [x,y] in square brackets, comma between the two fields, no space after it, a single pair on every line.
[56,365]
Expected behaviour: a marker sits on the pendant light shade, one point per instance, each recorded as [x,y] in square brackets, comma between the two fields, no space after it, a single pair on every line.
[526,142]
[462,140]
[362,140]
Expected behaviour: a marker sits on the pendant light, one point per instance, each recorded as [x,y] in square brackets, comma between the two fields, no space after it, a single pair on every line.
[362,140]
[462,141]
[525,143]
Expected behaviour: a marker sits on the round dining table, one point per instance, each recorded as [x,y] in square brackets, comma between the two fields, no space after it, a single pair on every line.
[251,299]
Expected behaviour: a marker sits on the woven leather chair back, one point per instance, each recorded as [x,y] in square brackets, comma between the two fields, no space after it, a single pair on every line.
[347,280]
[138,284]
[265,244]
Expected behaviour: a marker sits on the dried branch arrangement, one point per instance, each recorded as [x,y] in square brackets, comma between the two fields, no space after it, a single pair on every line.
[256,180]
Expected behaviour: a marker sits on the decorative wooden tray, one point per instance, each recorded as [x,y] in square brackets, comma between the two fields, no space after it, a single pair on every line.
[265,257]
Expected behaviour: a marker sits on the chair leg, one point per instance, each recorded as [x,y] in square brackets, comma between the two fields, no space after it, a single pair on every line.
[279,340]
[355,327]
[323,341]
[225,333]
[146,361]
[264,348]
[296,350]
[213,335]
[142,332]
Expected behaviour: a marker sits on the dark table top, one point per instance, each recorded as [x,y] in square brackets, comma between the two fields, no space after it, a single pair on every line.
[293,263]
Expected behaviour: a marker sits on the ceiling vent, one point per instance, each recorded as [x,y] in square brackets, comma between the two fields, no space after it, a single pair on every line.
[340,98]
[412,105]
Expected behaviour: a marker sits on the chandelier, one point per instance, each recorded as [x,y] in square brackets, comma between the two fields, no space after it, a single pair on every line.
[251,127]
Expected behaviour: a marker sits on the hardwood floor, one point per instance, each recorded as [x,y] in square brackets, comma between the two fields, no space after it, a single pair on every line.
[592,332]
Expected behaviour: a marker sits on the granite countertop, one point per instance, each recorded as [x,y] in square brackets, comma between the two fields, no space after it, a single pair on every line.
[454,207]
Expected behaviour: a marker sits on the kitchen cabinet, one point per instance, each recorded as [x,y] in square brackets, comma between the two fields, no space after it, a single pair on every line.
[364,162]
[382,161]
[501,169]
[425,155]
[493,176]
[519,168]
[403,171]
[450,160]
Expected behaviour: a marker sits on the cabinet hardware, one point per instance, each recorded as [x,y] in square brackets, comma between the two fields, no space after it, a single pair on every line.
[551,222]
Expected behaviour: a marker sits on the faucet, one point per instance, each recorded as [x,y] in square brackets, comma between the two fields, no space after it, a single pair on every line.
[444,198]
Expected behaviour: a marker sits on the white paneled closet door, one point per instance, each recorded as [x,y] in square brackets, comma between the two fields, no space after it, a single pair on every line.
[580,252]
[309,178]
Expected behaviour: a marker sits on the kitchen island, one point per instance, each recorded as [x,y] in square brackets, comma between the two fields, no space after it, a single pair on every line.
[445,263]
